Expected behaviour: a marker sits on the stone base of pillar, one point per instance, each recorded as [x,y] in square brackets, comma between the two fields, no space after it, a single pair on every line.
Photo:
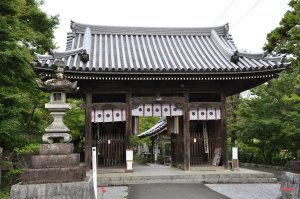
[295,166]
[56,164]
[290,185]
[235,164]
[74,190]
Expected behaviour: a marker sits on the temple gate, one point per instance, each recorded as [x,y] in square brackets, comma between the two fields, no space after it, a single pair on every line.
[188,71]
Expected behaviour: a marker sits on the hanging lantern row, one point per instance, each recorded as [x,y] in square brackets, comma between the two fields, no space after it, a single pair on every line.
[160,110]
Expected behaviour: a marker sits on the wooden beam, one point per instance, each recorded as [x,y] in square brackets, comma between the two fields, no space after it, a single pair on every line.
[88,131]
[128,135]
[136,101]
[110,105]
[194,105]
[224,129]
[186,133]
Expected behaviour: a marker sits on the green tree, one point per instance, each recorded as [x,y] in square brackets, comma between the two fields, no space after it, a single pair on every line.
[75,121]
[261,123]
[147,122]
[268,122]
[24,29]
[233,103]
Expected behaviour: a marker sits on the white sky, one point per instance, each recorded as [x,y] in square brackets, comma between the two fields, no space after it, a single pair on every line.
[250,33]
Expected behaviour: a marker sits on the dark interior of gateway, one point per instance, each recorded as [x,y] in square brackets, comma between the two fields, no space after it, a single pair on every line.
[205,137]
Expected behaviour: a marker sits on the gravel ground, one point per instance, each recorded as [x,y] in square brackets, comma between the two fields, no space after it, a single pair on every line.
[118,192]
[247,191]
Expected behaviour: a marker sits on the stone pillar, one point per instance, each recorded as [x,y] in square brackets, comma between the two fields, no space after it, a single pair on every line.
[290,185]
[295,165]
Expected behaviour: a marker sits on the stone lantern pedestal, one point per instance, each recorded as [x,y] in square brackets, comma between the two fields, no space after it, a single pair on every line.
[56,172]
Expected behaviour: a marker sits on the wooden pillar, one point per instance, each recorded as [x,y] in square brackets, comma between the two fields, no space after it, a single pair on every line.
[152,149]
[88,131]
[224,129]
[128,136]
[186,133]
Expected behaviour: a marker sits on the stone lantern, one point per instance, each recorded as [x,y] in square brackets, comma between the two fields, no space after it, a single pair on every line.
[56,162]
[58,87]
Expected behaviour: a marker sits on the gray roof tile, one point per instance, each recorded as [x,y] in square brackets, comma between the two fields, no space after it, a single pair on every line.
[160,126]
[160,50]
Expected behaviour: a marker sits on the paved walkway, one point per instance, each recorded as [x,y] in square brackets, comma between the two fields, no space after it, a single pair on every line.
[161,170]
[118,192]
[191,191]
[172,191]
[248,191]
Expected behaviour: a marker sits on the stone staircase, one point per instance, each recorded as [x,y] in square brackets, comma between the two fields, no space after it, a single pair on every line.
[190,177]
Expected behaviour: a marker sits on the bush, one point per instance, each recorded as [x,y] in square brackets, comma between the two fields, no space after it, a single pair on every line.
[30,149]
[4,193]
[12,177]
[140,159]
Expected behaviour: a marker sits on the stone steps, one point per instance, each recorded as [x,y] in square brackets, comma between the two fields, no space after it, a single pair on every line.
[199,178]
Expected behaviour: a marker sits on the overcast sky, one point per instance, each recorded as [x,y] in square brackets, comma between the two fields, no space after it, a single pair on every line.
[249,27]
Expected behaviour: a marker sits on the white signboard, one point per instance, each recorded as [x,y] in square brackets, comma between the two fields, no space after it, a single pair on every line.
[129,165]
[94,164]
[234,153]
[129,155]
[129,159]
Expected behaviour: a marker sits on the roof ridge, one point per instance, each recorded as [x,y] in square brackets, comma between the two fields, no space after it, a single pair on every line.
[101,29]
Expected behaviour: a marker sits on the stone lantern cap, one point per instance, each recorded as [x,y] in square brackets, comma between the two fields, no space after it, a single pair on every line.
[58,83]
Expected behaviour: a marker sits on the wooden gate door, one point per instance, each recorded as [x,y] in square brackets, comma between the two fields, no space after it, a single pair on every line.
[110,141]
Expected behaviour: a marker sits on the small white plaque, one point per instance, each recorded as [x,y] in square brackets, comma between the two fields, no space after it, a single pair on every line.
[195,140]
[129,165]
[108,141]
[129,155]
[234,153]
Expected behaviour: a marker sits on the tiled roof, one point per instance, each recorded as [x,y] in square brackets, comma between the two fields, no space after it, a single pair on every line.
[162,50]
[160,126]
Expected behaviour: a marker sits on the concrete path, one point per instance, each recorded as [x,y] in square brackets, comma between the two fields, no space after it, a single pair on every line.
[163,174]
[118,192]
[248,191]
[172,191]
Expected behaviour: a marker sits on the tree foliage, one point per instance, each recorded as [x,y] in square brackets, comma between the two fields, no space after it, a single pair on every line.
[147,122]
[267,123]
[24,29]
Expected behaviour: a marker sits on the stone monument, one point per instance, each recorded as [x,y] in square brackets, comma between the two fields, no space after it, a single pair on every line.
[53,170]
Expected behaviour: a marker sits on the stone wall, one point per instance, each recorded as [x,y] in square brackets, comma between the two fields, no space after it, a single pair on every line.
[262,166]
[70,190]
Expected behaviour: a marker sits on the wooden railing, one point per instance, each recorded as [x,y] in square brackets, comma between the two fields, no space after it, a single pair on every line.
[110,154]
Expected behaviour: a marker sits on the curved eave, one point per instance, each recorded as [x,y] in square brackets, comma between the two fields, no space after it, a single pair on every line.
[167,73]
[158,128]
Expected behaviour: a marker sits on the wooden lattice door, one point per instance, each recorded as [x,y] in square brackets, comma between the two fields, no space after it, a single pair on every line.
[110,141]
[200,143]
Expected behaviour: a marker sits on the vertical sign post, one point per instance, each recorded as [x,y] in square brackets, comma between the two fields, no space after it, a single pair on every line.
[94,164]
[235,161]
[129,160]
